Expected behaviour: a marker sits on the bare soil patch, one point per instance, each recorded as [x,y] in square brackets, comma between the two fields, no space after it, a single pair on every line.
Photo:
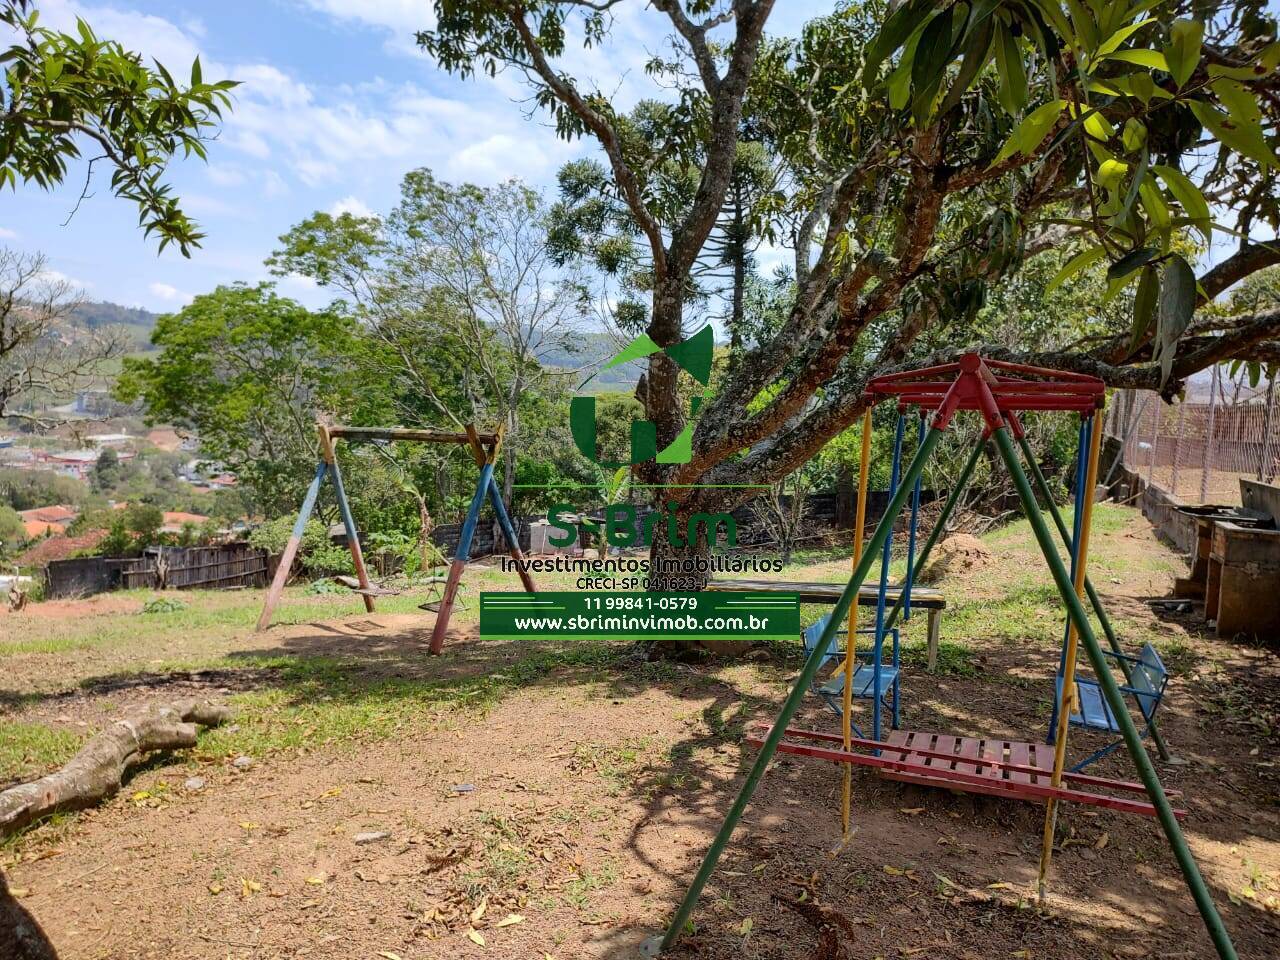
[566,817]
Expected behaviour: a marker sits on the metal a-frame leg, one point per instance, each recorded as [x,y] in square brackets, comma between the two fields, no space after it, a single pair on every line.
[291,549]
[460,558]
[1115,699]
[1113,641]
[789,706]
[509,533]
[348,521]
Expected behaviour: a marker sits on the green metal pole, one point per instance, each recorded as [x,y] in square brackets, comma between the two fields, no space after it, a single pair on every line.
[1094,600]
[948,508]
[1115,699]
[870,555]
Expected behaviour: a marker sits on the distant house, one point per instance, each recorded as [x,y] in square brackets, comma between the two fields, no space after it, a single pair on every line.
[77,463]
[114,440]
[38,528]
[59,548]
[43,521]
[62,513]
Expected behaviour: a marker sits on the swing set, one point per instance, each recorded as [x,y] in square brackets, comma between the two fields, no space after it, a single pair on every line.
[484,449]
[999,392]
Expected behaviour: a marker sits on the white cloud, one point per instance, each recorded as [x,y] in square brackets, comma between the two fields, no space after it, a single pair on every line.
[402,17]
[57,276]
[350,204]
[7,234]
[298,281]
[169,294]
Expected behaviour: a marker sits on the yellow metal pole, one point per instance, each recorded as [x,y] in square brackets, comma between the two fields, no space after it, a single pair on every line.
[1067,701]
[851,642]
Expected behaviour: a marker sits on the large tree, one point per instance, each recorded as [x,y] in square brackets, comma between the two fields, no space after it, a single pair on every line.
[44,355]
[249,372]
[929,150]
[459,284]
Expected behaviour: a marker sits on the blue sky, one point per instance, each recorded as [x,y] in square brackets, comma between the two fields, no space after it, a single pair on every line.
[336,104]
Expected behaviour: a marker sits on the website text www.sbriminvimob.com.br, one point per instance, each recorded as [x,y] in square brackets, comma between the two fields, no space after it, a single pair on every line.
[577,615]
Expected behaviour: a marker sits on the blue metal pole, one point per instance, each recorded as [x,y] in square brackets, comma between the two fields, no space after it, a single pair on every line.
[910,579]
[291,548]
[461,557]
[885,556]
[1082,454]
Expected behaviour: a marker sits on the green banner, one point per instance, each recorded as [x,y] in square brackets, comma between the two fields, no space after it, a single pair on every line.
[692,616]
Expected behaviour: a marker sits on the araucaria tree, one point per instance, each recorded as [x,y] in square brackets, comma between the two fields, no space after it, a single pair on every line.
[926,151]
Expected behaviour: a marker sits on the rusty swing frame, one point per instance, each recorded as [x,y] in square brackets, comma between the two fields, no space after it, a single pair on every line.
[484,447]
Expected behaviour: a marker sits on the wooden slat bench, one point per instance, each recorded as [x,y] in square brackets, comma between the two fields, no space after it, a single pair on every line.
[931,600]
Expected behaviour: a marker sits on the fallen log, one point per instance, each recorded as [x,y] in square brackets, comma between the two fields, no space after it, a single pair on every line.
[98,770]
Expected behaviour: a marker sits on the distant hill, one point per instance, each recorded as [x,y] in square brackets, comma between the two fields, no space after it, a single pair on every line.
[589,354]
[100,313]
[590,351]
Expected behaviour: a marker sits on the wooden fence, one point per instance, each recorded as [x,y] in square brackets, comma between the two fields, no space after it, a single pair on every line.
[221,567]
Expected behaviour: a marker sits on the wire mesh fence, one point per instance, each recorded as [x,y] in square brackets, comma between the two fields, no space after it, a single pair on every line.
[1197,449]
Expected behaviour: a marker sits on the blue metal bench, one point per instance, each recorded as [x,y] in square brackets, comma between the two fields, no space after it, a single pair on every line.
[864,678]
[1147,681]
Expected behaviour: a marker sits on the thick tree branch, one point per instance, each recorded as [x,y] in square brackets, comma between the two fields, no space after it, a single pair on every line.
[596,122]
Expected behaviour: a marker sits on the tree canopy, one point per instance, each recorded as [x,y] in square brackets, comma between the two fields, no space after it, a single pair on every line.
[62,91]
[924,154]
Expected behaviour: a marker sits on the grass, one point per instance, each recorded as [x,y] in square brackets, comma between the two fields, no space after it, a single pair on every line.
[30,749]
[296,700]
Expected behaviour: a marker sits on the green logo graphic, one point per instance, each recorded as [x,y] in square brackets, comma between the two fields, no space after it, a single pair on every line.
[692,356]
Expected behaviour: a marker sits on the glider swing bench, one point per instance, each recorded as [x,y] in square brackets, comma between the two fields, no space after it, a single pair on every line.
[998,392]
[484,449]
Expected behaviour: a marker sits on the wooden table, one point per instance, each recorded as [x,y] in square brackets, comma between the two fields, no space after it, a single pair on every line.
[922,598]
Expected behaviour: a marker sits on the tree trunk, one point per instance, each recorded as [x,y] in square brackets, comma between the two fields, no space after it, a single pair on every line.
[98,770]
[21,937]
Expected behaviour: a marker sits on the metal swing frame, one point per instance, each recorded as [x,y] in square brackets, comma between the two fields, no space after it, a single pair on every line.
[998,391]
[484,447]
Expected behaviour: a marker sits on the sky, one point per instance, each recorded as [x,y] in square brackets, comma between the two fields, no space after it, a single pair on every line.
[336,104]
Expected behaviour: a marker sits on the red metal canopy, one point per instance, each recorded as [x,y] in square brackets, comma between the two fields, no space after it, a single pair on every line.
[998,390]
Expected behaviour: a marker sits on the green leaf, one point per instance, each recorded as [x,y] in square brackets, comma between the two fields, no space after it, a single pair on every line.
[932,53]
[1153,203]
[1112,43]
[1141,58]
[1130,262]
[1086,30]
[1187,194]
[1239,102]
[1011,70]
[892,35]
[1134,135]
[1031,132]
[196,73]
[1246,140]
[1081,261]
[1183,51]
[1177,305]
[976,55]
[899,82]
[1144,305]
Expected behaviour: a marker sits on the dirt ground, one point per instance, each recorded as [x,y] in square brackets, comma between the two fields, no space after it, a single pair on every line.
[563,812]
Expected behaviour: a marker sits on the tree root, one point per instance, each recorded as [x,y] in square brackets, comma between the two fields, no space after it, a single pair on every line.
[830,924]
[98,770]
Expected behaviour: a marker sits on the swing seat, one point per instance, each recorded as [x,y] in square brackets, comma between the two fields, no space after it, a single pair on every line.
[1148,680]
